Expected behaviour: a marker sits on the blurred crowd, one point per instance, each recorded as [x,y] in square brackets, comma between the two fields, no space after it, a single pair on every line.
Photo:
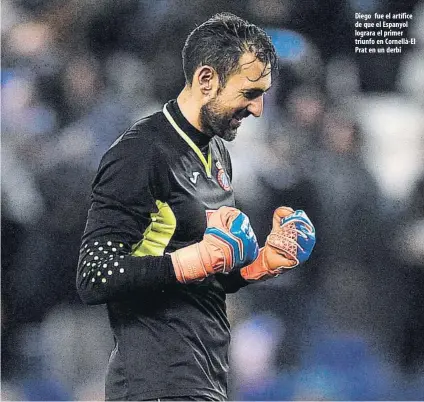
[342,137]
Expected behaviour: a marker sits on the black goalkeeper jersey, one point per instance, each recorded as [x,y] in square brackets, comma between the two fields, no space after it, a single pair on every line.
[151,196]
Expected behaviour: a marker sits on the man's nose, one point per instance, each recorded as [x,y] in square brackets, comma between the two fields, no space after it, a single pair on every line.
[256,106]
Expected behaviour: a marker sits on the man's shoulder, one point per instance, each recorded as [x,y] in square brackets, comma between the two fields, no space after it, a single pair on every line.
[144,129]
[143,137]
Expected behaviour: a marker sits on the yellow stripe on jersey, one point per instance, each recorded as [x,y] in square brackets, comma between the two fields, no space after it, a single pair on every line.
[193,146]
[158,234]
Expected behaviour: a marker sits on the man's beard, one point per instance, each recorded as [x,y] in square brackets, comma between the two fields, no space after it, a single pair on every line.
[214,122]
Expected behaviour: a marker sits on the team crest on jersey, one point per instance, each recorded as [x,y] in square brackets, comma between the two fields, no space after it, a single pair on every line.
[223,179]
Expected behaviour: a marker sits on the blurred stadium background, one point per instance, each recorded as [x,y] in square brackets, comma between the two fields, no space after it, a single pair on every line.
[342,137]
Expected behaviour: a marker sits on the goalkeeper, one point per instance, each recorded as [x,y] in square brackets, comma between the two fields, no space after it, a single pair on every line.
[163,242]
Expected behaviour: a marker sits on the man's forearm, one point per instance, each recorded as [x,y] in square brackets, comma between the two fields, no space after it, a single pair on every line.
[107,273]
[231,282]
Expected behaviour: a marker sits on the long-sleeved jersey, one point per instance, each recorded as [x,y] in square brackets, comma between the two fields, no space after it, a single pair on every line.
[151,196]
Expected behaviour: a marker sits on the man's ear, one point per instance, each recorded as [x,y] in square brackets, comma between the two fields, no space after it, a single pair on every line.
[207,80]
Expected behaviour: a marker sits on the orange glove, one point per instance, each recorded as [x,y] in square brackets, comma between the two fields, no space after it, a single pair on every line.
[228,242]
[290,242]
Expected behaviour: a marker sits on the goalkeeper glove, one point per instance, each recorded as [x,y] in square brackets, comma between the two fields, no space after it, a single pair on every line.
[229,242]
[290,243]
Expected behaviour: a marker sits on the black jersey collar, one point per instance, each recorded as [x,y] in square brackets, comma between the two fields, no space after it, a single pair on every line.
[193,137]
[199,138]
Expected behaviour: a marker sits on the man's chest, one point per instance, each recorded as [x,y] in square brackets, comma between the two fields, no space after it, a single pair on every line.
[195,190]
